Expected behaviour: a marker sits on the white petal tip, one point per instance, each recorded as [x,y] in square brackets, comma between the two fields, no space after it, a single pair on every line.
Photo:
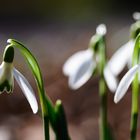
[73,86]
[34,107]
[111,79]
[101,29]
[116,100]
[35,110]
[136,15]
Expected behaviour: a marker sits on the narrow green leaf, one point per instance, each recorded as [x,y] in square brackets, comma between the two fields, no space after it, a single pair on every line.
[61,123]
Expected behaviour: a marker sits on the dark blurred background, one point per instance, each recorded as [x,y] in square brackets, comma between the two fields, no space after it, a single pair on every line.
[65,10]
[53,31]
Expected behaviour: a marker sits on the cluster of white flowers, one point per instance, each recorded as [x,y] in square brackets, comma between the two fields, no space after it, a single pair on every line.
[80,66]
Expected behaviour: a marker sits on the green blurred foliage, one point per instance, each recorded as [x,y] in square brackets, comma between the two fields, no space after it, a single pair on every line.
[65,9]
[53,9]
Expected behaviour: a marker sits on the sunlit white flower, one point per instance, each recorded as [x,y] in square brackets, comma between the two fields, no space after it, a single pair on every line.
[123,55]
[116,64]
[7,72]
[125,83]
[121,58]
[80,66]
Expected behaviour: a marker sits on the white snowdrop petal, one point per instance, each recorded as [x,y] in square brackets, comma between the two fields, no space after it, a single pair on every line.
[6,74]
[125,83]
[110,79]
[82,74]
[26,89]
[121,57]
[75,60]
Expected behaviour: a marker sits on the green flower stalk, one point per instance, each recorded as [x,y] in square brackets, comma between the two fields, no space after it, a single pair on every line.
[48,110]
[99,49]
[135,91]
[135,30]
[135,94]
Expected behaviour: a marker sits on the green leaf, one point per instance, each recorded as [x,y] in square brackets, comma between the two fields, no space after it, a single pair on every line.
[110,134]
[61,122]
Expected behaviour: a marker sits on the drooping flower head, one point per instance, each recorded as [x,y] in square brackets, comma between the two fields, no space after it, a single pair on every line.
[123,55]
[80,67]
[7,72]
[130,75]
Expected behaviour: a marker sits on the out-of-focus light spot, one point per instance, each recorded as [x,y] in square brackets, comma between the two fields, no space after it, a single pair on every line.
[101,29]
[136,15]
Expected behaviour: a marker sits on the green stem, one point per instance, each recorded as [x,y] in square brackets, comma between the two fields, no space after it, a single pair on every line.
[102,92]
[46,127]
[103,110]
[134,110]
[135,92]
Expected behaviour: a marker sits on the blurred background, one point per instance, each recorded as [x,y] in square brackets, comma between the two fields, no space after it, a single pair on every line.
[53,31]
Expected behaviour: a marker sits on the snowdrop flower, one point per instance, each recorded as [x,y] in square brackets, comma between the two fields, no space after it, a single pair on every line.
[131,77]
[80,66]
[122,57]
[7,72]
[116,64]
